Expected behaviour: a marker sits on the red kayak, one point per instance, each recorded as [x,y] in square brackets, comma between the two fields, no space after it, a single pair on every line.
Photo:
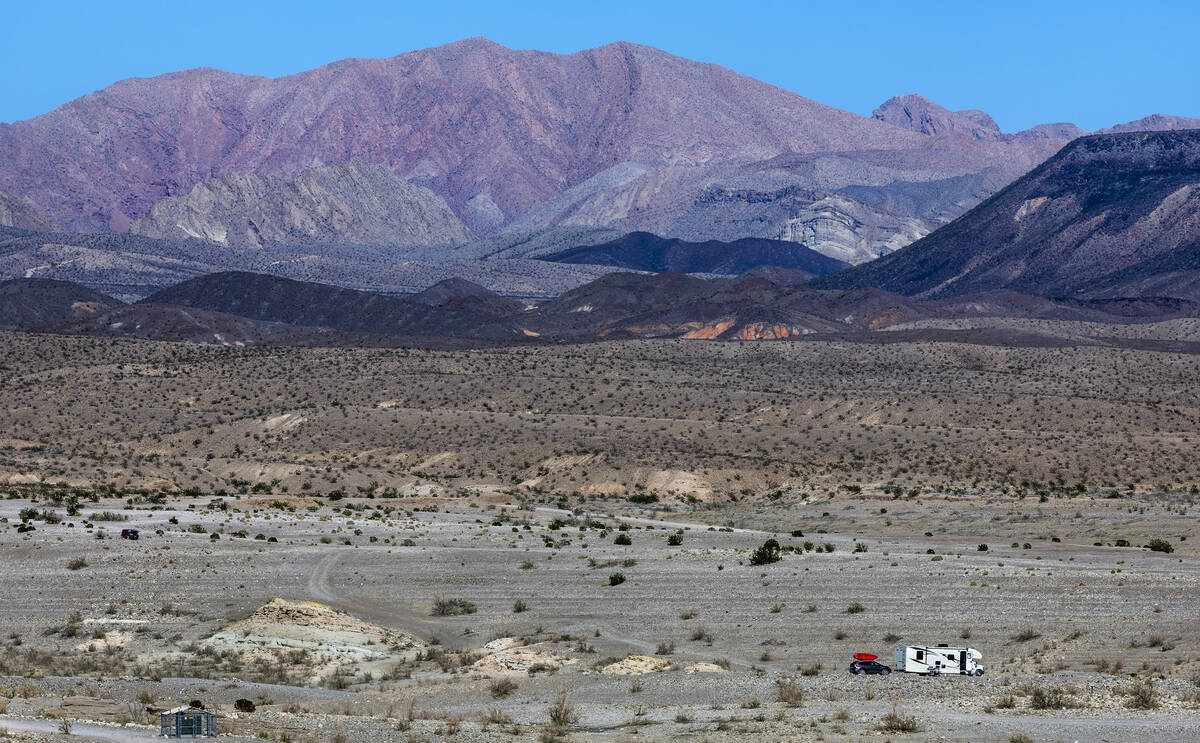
[865,656]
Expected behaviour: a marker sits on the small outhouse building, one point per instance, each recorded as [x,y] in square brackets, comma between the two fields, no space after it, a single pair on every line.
[188,722]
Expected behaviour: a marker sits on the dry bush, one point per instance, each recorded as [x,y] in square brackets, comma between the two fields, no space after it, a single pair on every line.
[495,716]
[444,607]
[561,712]
[1143,696]
[897,722]
[1050,697]
[789,692]
[501,688]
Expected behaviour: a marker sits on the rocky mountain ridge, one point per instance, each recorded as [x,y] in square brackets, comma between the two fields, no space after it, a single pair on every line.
[1109,216]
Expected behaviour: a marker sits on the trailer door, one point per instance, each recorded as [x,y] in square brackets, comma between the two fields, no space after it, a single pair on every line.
[962,661]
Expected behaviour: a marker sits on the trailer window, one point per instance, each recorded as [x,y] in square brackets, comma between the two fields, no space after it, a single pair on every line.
[920,655]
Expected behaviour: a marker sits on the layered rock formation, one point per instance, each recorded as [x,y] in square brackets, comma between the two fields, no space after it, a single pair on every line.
[357,203]
[17,213]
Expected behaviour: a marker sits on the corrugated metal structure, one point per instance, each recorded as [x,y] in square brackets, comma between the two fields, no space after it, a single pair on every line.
[188,722]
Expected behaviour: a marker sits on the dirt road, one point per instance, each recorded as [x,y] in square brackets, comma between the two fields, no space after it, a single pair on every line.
[81,729]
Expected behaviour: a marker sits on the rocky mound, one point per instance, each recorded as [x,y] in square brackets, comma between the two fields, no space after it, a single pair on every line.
[312,625]
[328,638]
[636,665]
[506,657]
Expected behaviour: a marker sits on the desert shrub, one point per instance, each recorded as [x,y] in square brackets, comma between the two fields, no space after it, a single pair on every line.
[519,606]
[675,539]
[768,553]
[623,539]
[1160,545]
[1050,697]
[855,608]
[701,634]
[1142,696]
[616,579]
[860,547]
[244,705]
[982,548]
[813,670]
[1019,738]
[443,607]
[1027,634]
[665,648]
[501,688]
[561,712]
[495,716]
[789,692]
[898,722]
[77,563]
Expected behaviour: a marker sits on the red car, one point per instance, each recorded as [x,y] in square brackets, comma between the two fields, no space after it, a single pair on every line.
[129,534]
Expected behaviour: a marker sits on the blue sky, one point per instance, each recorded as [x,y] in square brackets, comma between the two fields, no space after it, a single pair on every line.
[1095,63]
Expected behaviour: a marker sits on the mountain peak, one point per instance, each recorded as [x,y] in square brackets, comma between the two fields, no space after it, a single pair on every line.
[1154,123]
[919,114]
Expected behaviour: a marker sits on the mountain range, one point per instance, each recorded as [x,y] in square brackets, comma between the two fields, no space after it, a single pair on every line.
[623,136]
[535,174]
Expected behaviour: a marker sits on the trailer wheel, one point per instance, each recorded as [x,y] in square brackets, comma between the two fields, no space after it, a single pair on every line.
[978,671]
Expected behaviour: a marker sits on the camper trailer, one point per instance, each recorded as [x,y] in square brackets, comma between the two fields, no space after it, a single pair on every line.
[934,660]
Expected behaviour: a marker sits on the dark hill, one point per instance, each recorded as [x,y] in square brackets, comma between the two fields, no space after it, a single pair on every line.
[36,304]
[461,294]
[643,251]
[274,299]
[744,308]
[1113,215]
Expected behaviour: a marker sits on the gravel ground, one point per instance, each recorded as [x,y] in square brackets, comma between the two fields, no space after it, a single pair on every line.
[1081,605]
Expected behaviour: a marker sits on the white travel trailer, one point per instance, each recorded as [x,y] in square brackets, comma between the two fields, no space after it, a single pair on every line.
[934,660]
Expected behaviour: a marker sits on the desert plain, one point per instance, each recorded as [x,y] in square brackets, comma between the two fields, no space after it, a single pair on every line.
[557,542]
